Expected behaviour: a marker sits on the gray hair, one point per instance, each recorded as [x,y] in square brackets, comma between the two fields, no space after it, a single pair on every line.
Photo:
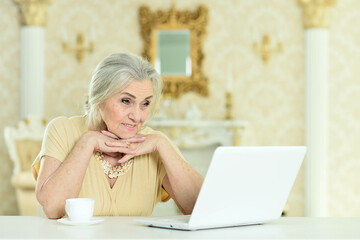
[112,75]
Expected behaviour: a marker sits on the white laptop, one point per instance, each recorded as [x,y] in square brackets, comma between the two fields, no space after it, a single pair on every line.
[243,186]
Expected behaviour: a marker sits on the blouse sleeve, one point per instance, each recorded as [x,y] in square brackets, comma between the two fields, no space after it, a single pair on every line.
[55,144]
[164,195]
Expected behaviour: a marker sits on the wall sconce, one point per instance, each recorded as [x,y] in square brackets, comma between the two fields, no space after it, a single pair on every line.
[80,49]
[265,50]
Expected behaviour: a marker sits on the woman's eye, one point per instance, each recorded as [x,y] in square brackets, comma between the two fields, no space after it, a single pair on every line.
[146,104]
[126,101]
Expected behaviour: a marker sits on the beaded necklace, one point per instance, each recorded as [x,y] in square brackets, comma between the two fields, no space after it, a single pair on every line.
[113,171]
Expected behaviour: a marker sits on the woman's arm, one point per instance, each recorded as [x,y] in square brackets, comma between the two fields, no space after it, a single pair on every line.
[182,182]
[58,181]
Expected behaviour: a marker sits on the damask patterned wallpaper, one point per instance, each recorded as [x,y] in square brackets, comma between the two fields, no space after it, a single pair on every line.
[344,111]
[269,97]
[9,97]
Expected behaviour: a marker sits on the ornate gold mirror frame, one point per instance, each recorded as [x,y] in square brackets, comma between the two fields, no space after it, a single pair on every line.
[195,22]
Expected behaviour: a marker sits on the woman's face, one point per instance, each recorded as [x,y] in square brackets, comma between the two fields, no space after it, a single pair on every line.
[125,112]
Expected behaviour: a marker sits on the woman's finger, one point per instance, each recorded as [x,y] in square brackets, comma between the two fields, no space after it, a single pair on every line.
[140,135]
[126,158]
[120,146]
[136,139]
[122,143]
[109,134]
[119,149]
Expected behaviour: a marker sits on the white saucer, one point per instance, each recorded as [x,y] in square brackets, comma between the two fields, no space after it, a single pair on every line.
[93,220]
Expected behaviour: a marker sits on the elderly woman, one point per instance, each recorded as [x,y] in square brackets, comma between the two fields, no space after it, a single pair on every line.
[109,154]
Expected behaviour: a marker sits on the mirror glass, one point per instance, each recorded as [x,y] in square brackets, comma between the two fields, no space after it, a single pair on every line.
[173,52]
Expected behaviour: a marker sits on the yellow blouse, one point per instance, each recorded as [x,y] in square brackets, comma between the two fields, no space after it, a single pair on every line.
[135,193]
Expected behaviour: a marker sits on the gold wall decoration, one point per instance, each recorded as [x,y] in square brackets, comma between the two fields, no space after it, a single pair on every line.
[316,13]
[150,22]
[265,49]
[228,106]
[80,49]
[33,12]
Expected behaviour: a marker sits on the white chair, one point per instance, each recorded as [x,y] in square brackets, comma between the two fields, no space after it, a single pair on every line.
[24,144]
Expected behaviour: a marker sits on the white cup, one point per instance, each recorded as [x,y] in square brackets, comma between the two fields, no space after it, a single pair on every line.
[79,209]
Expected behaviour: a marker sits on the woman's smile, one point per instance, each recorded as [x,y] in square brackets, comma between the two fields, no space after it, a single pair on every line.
[130,127]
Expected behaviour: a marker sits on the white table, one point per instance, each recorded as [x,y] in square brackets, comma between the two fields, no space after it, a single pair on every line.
[125,228]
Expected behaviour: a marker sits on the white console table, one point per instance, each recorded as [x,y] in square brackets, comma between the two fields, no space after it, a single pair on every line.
[201,133]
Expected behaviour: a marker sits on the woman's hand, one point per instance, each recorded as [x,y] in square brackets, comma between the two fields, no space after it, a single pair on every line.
[100,140]
[149,144]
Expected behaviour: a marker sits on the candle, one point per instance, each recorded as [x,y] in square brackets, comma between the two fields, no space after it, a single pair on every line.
[229,79]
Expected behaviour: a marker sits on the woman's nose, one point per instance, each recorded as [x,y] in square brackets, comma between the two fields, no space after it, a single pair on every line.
[135,114]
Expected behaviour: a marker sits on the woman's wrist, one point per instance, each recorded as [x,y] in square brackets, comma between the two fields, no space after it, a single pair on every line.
[88,139]
[161,143]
